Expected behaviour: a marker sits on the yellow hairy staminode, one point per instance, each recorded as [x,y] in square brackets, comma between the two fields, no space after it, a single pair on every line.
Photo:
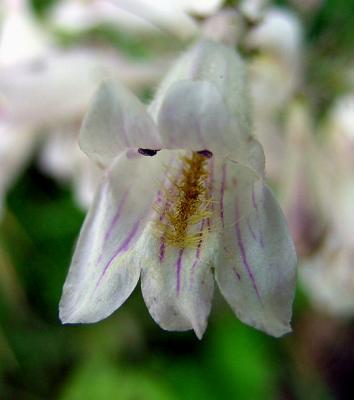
[186,203]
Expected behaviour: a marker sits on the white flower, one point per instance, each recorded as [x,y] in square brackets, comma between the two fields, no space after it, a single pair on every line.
[138,16]
[59,84]
[40,96]
[253,9]
[275,69]
[16,145]
[338,149]
[225,27]
[48,95]
[279,33]
[304,183]
[21,37]
[73,168]
[328,276]
[198,208]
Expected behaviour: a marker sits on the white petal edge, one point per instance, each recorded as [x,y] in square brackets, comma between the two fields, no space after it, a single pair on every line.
[106,263]
[178,287]
[116,120]
[256,269]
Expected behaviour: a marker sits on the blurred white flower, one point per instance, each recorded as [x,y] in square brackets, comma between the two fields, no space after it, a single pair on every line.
[62,159]
[78,15]
[21,37]
[203,8]
[226,27]
[253,10]
[16,145]
[338,149]
[40,95]
[274,78]
[267,76]
[138,16]
[58,85]
[280,35]
[184,196]
[341,120]
[328,276]
[45,90]
[49,95]
[303,186]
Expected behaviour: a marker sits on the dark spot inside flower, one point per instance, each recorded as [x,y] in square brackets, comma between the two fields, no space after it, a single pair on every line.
[205,153]
[147,152]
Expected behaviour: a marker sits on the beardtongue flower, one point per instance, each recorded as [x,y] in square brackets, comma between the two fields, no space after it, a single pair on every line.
[183,201]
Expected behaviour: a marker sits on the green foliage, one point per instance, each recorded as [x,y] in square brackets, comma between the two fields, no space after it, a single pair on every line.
[243,360]
[41,6]
[101,379]
[44,228]
[329,40]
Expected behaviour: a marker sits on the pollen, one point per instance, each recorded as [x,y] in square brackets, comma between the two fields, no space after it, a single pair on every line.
[187,203]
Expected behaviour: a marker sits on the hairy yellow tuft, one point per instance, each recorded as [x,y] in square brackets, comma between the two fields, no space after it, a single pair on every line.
[187,203]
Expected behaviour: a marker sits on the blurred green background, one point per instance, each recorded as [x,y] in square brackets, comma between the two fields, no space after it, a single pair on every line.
[127,356]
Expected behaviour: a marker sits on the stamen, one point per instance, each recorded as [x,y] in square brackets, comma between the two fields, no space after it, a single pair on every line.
[205,153]
[147,152]
[187,202]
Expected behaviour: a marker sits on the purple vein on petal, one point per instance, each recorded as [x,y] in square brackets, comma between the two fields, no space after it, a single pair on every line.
[178,271]
[254,203]
[162,249]
[113,223]
[162,239]
[243,252]
[211,184]
[161,217]
[122,248]
[197,252]
[116,216]
[251,230]
[222,190]
[237,274]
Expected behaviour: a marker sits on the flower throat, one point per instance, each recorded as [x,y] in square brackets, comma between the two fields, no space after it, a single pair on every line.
[187,203]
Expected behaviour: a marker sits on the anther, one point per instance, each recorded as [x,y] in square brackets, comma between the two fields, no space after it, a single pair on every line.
[147,152]
[205,153]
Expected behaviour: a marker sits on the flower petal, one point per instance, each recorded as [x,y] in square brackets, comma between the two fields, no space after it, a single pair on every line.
[220,66]
[194,116]
[116,120]
[231,180]
[178,284]
[106,263]
[256,268]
